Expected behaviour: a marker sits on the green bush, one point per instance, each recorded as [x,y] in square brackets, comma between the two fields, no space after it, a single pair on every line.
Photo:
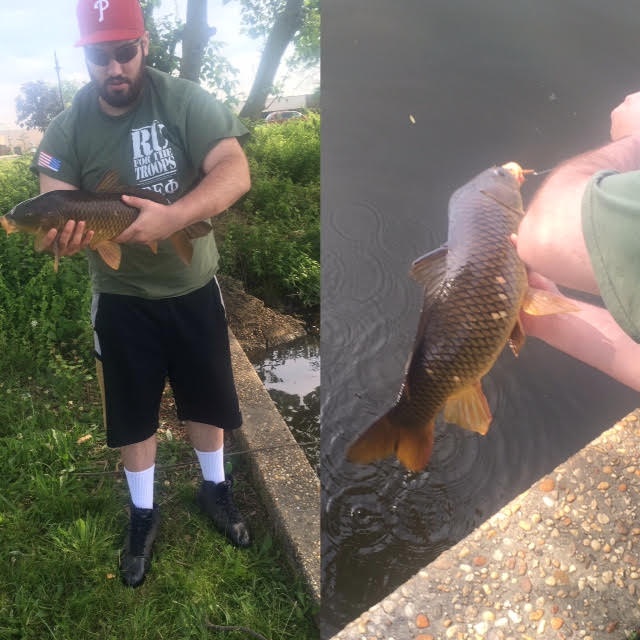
[272,241]
[43,315]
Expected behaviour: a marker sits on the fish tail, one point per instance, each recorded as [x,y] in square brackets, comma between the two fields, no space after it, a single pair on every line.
[412,446]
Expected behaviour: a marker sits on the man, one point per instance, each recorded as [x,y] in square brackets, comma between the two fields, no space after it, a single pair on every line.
[155,317]
[582,230]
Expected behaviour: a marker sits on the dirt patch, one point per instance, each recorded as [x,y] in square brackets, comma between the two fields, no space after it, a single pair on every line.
[256,326]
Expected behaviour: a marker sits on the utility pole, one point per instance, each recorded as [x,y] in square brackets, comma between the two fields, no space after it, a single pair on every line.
[57,68]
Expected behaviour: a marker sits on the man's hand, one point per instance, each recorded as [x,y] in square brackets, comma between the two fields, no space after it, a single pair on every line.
[155,221]
[70,240]
[625,118]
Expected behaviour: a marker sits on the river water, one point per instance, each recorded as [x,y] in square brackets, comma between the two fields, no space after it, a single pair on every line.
[291,375]
[417,98]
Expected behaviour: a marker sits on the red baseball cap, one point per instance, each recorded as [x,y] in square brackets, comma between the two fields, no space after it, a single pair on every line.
[109,20]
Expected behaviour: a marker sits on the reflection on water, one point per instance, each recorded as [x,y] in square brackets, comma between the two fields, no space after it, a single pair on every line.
[416,102]
[291,375]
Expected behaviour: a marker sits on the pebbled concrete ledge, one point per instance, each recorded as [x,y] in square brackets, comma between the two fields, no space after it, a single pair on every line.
[282,475]
[560,561]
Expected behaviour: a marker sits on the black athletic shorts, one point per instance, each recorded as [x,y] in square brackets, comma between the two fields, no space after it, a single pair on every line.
[142,343]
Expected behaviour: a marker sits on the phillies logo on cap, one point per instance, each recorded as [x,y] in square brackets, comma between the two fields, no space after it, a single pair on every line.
[101,6]
[109,21]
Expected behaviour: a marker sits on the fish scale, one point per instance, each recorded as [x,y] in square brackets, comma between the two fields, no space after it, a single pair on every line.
[104,213]
[475,287]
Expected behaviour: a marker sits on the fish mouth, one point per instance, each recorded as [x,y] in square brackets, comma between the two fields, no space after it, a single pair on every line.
[516,171]
[8,225]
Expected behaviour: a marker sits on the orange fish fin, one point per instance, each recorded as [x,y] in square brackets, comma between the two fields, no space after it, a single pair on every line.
[429,269]
[538,302]
[198,229]
[517,338]
[469,409]
[110,252]
[37,241]
[412,446]
[183,246]
[110,181]
[153,246]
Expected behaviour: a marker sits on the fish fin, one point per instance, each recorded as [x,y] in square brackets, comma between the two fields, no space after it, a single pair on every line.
[469,409]
[38,240]
[429,269]
[198,229]
[517,338]
[183,246]
[110,181]
[110,252]
[539,302]
[518,212]
[412,446]
[153,245]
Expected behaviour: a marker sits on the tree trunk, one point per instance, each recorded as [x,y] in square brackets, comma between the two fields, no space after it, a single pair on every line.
[195,38]
[284,28]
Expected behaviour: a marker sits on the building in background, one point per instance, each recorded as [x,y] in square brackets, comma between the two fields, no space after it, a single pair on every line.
[16,141]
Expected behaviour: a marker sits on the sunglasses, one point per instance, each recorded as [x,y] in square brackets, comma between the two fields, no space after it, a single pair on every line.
[121,55]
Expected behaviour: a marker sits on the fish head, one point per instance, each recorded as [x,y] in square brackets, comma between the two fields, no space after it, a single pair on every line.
[515,170]
[31,216]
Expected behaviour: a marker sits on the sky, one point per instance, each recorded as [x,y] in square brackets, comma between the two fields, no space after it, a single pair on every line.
[32,30]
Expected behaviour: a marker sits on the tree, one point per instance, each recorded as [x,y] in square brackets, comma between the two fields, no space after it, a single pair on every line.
[39,103]
[201,60]
[281,22]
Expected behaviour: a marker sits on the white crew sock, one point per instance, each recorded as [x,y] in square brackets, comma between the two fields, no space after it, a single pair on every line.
[212,464]
[141,487]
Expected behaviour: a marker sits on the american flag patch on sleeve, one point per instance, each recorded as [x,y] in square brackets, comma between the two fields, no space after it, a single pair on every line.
[45,160]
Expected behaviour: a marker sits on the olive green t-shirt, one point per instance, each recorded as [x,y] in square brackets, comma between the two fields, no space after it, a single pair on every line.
[611,228]
[159,145]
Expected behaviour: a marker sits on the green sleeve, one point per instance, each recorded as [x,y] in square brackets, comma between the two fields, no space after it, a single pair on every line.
[207,122]
[56,156]
[611,228]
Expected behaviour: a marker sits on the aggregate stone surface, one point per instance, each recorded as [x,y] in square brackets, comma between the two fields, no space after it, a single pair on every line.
[560,561]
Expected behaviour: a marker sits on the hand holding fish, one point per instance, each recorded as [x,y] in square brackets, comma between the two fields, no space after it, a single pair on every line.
[155,221]
[625,118]
[73,237]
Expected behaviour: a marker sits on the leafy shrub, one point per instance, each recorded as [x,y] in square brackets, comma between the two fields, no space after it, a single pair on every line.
[43,315]
[272,242]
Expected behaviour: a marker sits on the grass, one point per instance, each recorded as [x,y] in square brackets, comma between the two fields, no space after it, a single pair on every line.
[62,521]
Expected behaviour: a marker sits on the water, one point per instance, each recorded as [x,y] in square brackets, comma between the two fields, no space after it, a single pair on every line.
[291,375]
[417,98]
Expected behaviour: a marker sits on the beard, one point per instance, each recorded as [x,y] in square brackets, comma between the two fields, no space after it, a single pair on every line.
[119,91]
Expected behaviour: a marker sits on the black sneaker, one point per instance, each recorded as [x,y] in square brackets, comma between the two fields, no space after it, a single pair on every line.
[217,502]
[136,556]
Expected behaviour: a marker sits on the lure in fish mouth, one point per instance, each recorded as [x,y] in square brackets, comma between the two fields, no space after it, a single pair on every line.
[475,286]
[103,212]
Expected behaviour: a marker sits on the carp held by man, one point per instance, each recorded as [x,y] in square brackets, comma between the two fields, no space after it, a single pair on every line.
[475,286]
[104,213]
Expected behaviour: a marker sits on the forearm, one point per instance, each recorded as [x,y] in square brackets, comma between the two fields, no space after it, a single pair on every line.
[550,235]
[592,336]
[226,179]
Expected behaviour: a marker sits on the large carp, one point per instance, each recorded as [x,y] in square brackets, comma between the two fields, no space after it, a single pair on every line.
[474,288]
[104,213]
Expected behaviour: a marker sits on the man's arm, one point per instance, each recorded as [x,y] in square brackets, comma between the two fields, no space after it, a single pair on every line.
[590,335]
[72,238]
[550,238]
[226,179]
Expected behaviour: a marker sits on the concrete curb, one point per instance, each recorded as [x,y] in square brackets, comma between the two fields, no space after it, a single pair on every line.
[560,561]
[286,482]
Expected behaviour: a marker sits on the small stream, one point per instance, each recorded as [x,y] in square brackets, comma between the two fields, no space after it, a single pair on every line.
[291,375]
